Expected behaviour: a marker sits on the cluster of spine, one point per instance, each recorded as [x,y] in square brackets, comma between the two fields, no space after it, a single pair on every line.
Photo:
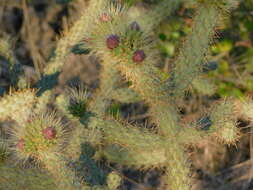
[126,46]
[17,105]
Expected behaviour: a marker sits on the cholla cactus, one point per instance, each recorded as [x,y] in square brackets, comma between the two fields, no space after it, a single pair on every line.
[82,131]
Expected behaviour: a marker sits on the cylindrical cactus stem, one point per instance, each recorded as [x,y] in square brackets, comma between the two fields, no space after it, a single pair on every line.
[62,104]
[3,149]
[78,137]
[152,19]
[191,136]
[126,95]
[16,178]
[64,176]
[73,37]
[136,148]
[224,122]
[7,52]
[190,61]
[42,102]
[177,171]
[109,79]
[17,105]
[204,86]
[135,158]
[151,88]
[98,105]
[219,123]
[244,108]
[79,133]
[137,65]
[103,96]
[129,136]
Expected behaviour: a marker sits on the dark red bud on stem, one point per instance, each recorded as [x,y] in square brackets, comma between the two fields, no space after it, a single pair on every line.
[112,41]
[21,144]
[104,17]
[139,56]
[49,133]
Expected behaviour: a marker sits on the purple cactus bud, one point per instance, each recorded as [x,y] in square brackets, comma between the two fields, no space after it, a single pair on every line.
[135,26]
[104,17]
[49,133]
[139,56]
[112,41]
[21,144]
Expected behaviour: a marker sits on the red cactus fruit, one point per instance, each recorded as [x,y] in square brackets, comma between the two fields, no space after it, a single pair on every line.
[104,17]
[135,26]
[49,133]
[21,144]
[112,41]
[139,56]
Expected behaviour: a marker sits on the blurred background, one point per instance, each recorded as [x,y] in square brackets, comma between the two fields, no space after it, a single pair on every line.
[33,27]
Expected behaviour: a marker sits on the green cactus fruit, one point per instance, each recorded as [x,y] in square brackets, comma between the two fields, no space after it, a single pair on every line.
[222,4]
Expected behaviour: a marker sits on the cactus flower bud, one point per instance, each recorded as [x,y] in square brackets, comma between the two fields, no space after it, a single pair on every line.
[139,56]
[49,133]
[21,144]
[104,17]
[112,41]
